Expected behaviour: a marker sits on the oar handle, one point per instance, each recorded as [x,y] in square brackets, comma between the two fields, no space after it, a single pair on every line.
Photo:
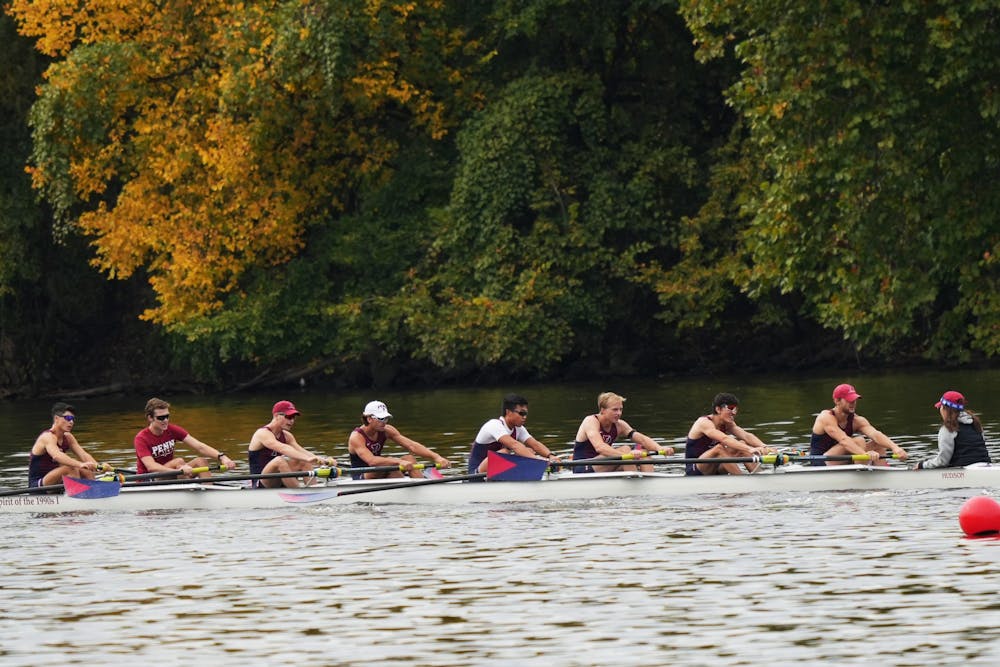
[856,458]
[396,468]
[317,472]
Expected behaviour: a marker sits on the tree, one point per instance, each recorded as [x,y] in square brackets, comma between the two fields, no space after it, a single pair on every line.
[200,142]
[574,176]
[862,181]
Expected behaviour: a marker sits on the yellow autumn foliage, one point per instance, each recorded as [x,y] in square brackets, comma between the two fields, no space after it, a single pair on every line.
[201,139]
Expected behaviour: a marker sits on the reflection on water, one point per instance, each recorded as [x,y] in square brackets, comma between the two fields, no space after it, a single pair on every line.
[860,579]
[824,578]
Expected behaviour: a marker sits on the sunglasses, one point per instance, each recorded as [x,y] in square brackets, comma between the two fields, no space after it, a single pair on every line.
[290,416]
[161,418]
[69,418]
[732,408]
[523,413]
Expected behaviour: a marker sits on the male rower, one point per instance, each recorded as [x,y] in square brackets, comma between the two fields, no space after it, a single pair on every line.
[717,436]
[273,449]
[597,435]
[366,442]
[833,432]
[50,458]
[154,445]
[508,435]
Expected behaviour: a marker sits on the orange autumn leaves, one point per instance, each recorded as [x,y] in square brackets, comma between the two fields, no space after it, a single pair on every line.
[198,141]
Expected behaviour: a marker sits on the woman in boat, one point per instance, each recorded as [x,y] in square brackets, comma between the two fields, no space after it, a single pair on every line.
[960,439]
[597,435]
[717,436]
[50,456]
[366,442]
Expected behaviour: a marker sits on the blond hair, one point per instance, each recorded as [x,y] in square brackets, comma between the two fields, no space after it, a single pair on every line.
[604,399]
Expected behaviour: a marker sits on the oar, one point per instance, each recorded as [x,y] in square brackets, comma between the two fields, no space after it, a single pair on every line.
[166,473]
[400,468]
[128,478]
[772,459]
[400,485]
[856,458]
[631,461]
[318,472]
[32,490]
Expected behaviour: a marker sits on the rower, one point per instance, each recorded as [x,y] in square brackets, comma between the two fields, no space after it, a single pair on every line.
[366,442]
[155,444]
[507,434]
[273,449]
[50,458]
[718,436]
[597,435]
[833,432]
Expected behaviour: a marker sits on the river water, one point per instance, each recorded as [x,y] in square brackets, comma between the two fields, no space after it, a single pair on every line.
[788,578]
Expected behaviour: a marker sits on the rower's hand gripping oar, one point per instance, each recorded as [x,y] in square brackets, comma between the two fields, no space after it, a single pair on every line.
[347,470]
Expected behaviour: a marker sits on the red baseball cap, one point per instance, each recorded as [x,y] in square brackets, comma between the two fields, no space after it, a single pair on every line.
[846,391]
[952,399]
[286,408]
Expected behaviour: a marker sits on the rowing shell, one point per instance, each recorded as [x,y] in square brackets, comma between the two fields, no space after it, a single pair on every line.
[567,486]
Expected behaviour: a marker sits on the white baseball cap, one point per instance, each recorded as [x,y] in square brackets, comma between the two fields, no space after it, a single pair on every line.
[377,410]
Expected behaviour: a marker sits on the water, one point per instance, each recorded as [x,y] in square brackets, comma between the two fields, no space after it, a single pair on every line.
[824,578]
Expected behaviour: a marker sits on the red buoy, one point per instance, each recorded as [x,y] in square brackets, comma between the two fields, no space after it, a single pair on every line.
[980,516]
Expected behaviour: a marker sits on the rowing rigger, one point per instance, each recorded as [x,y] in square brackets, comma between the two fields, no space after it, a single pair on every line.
[219,495]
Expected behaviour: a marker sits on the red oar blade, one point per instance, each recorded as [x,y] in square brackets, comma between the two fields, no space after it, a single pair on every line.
[512,468]
[89,489]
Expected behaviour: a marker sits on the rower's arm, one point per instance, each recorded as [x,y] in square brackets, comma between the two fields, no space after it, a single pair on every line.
[829,425]
[356,445]
[414,447]
[200,447]
[880,438]
[748,437]
[946,448]
[298,452]
[517,447]
[61,457]
[730,441]
[80,452]
[642,439]
[153,466]
[594,436]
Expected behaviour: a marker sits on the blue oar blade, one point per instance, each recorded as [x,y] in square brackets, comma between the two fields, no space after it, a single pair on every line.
[512,468]
[90,489]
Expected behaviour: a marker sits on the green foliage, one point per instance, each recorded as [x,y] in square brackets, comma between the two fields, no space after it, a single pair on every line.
[512,187]
[19,214]
[554,207]
[866,168]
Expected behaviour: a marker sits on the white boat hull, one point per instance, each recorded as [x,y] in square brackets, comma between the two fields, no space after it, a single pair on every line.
[566,487]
